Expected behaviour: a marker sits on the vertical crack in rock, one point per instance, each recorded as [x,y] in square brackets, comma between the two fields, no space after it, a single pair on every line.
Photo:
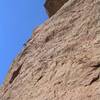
[15,74]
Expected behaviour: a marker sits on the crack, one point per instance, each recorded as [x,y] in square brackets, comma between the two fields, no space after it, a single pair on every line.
[40,78]
[15,74]
[94,79]
[95,66]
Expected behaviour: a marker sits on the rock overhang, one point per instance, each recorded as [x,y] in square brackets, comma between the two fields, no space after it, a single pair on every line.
[52,6]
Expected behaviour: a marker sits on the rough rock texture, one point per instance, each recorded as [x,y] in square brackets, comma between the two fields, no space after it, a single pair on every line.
[62,59]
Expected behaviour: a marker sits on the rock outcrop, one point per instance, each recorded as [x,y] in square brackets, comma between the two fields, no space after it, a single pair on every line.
[52,6]
[61,61]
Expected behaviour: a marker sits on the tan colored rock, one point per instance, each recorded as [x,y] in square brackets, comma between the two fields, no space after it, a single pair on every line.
[62,59]
[0,90]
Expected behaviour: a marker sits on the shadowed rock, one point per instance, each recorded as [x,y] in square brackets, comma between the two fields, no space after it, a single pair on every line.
[52,6]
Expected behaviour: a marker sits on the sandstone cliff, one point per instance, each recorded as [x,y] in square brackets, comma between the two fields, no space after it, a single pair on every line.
[62,59]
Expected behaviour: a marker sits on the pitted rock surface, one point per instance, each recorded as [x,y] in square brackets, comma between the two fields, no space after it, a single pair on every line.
[61,61]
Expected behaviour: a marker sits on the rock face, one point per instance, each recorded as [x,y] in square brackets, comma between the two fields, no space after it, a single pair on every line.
[61,61]
[52,6]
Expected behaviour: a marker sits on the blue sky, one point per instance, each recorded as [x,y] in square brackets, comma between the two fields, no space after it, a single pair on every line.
[18,18]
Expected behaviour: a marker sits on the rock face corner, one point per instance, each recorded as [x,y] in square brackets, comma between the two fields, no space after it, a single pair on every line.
[61,61]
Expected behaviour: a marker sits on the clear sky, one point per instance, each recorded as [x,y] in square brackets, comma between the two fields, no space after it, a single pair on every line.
[18,18]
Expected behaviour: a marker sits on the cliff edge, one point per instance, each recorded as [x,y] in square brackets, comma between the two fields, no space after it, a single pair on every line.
[61,61]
